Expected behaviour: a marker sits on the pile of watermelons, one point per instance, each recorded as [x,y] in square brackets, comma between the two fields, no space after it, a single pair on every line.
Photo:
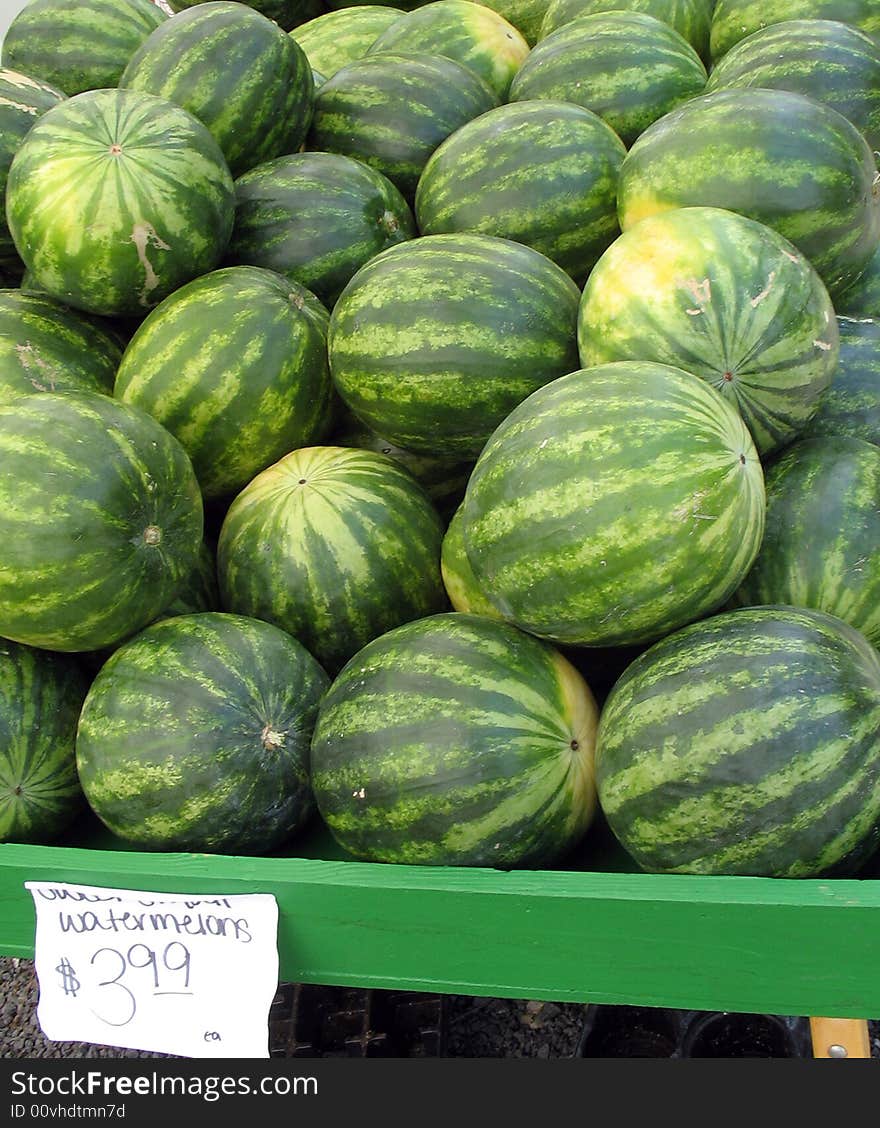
[456,423]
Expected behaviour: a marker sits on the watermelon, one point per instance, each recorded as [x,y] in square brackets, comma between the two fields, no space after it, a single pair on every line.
[22,101]
[781,158]
[80,46]
[435,340]
[335,39]
[861,298]
[392,111]
[851,406]
[195,735]
[459,580]
[46,346]
[316,218]
[613,505]
[443,478]
[690,18]
[456,740]
[235,70]
[234,365]
[41,695]
[746,744]
[100,520]
[200,590]
[333,545]
[627,67]
[115,198]
[540,173]
[822,532]
[525,15]
[288,14]
[734,20]
[723,297]
[471,34]
[832,62]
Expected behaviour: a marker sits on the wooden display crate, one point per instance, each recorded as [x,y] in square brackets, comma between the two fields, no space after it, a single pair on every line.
[588,931]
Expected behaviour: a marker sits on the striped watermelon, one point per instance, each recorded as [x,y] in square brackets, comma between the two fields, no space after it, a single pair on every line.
[443,478]
[41,695]
[150,192]
[690,18]
[851,406]
[288,14]
[316,218]
[540,173]
[458,576]
[234,365]
[456,740]
[200,590]
[627,67]
[22,101]
[334,39]
[614,505]
[778,157]
[746,744]
[333,545]
[435,340]
[195,736]
[81,46]
[734,20]
[723,297]
[48,347]
[100,520]
[392,111]
[832,62]
[822,534]
[525,15]
[861,298]
[471,34]
[235,70]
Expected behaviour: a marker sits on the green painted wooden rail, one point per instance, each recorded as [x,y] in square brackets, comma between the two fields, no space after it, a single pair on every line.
[586,933]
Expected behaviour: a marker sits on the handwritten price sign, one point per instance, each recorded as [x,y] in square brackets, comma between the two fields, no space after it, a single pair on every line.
[187,975]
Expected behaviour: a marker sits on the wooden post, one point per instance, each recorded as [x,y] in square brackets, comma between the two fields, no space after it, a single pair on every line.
[840,1038]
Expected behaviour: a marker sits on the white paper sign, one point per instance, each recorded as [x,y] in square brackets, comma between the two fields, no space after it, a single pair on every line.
[186,974]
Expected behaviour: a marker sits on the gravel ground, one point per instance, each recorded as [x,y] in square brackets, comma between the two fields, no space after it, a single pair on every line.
[336,1022]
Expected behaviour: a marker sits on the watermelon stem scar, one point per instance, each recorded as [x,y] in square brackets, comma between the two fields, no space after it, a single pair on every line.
[152,535]
[271,738]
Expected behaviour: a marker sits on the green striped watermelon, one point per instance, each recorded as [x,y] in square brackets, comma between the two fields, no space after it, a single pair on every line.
[746,744]
[861,298]
[690,18]
[459,580]
[201,588]
[115,198]
[316,218]
[336,38]
[471,34]
[443,478]
[456,740]
[723,297]
[78,46]
[288,14]
[333,545]
[627,67]
[822,533]
[851,406]
[540,173]
[235,70]
[525,15]
[22,101]
[734,20]
[41,695]
[433,341]
[613,505]
[778,157]
[392,111]
[46,346]
[100,520]
[195,736]
[234,365]
[832,62]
